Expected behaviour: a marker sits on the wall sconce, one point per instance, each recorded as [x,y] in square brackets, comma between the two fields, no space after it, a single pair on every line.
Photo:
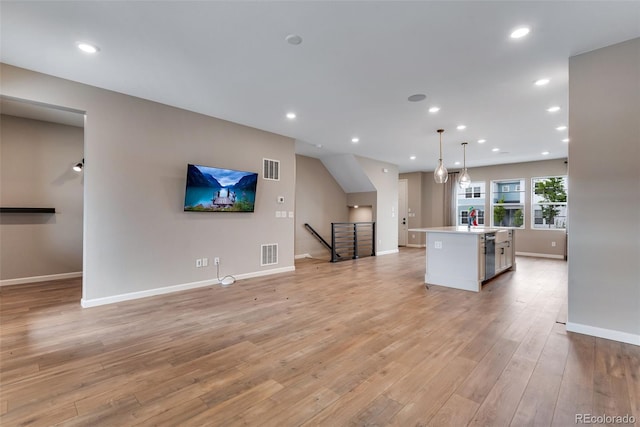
[79,166]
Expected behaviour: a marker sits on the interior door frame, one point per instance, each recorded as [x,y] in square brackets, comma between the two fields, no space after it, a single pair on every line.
[403,187]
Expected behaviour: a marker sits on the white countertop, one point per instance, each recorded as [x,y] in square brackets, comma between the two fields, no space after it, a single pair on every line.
[454,229]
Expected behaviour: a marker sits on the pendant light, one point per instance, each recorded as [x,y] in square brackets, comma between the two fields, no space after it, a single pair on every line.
[465,179]
[440,175]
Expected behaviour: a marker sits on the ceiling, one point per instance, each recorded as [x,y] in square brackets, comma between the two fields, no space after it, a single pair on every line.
[351,75]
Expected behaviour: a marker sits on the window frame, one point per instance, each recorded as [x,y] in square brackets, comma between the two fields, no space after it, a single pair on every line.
[535,204]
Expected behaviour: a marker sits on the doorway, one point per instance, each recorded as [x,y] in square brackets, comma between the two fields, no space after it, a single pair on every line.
[403,207]
[42,166]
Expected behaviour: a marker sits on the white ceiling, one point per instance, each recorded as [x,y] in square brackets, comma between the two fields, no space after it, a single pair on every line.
[352,74]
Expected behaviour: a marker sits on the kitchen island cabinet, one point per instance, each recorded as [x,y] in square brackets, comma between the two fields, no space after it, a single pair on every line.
[464,258]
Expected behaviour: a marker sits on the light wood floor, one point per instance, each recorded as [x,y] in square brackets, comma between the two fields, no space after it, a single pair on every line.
[354,343]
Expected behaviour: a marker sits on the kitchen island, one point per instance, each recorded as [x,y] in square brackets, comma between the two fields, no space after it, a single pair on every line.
[464,258]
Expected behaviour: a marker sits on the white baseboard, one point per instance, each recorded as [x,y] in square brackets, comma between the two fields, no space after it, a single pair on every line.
[34,279]
[609,334]
[413,245]
[301,256]
[533,254]
[265,272]
[392,251]
[86,303]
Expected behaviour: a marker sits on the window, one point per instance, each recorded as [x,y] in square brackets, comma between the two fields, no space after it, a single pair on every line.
[470,197]
[549,202]
[507,203]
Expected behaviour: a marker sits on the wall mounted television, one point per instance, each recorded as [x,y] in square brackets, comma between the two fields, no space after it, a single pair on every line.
[212,189]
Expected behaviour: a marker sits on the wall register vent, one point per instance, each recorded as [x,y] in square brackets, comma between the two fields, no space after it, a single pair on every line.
[269,254]
[271,169]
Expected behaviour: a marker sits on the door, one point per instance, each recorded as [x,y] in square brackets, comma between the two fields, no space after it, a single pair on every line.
[403,219]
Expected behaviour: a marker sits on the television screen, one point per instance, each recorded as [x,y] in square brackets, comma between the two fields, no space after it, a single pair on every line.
[219,190]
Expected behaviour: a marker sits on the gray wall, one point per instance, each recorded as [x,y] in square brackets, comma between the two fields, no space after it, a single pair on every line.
[386,184]
[430,201]
[319,202]
[367,198]
[604,203]
[36,158]
[136,236]
[361,214]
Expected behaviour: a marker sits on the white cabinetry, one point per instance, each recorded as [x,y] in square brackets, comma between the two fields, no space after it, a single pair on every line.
[504,250]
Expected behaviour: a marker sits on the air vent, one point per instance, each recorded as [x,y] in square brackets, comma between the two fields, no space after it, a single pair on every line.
[271,169]
[269,254]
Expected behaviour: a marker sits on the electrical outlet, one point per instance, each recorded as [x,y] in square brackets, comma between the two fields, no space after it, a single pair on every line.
[199,263]
[437,244]
[553,244]
[205,262]
[216,261]
[278,214]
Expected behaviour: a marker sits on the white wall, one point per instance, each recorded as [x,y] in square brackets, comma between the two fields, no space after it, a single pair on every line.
[137,238]
[604,200]
[36,158]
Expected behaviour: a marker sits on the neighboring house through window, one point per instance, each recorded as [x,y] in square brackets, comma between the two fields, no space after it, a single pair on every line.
[472,196]
[507,203]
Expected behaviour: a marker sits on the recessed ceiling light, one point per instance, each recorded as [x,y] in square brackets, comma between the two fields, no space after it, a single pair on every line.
[495,150]
[545,153]
[291,116]
[412,157]
[461,127]
[355,140]
[293,39]
[356,206]
[561,128]
[541,82]
[417,97]
[434,109]
[565,140]
[553,109]
[456,163]
[520,32]
[482,141]
[319,145]
[87,48]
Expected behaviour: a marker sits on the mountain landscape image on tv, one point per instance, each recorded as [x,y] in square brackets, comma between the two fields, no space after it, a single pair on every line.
[212,189]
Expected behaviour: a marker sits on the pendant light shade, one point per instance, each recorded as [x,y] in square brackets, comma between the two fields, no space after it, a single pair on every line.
[465,179]
[440,175]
